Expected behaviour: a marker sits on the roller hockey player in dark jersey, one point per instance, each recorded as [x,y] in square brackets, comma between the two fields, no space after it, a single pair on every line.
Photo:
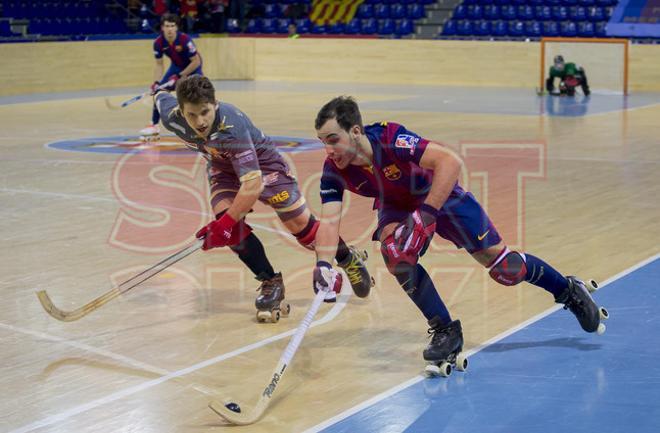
[244,166]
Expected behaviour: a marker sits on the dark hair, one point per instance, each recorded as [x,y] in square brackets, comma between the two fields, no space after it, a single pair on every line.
[195,89]
[170,18]
[342,108]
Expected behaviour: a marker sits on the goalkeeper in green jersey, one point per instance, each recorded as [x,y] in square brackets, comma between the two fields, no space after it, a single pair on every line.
[570,76]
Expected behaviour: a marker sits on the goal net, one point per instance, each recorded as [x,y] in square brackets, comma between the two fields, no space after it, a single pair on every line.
[605,61]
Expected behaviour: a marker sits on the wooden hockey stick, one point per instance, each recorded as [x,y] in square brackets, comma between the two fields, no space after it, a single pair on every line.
[243,417]
[70,316]
[136,98]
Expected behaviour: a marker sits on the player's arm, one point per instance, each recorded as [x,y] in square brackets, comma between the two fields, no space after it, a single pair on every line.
[251,188]
[195,62]
[446,166]
[327,236]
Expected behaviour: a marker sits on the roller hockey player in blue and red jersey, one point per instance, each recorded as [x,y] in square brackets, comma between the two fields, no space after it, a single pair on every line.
[414,184]
[185,61]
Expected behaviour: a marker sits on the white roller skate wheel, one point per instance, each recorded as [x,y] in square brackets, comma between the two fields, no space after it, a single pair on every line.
[286,309]
[602,312]
[601,329]
[275,316]
[445,369]
[432,370]
[461,362]
[592,286]
[263,316]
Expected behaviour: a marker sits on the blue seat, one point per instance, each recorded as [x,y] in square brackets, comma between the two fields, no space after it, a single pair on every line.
[398,11]
[369,26]
[382,11]
[508,12]
[253,26]
[354,27]
[460,12]
[601,29]
[586,29]
[416,11]
[577,13]
[492,12]
[232,26]
[336,28]
[319,29]
[525,12]
[533,29]
[449,28]
[595,14]
[516,28]
[543,13]
[386,27]
[498,28]
[271,11]
[481,28]
[464,28]
[303,25]
[365,11]
[568,29]
[569,3]
[586,3]
[560,13]
[550,28]
[282,25]
[404,27]
[474,12]
[268,26]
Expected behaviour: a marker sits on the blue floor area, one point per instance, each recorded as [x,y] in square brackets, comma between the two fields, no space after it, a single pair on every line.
[548,377]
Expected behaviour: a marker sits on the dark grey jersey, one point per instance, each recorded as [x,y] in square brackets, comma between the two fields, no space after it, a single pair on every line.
[234,147]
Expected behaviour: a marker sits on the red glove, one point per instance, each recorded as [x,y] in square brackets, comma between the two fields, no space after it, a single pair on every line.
[327,279]
[413,236]
[172,80]
[217,233]
[154,87]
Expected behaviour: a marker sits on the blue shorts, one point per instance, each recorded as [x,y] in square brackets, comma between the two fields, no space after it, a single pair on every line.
[173,69]
[461,220]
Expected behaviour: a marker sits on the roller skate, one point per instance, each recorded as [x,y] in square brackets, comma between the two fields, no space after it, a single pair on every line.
[269,302]
[356,269]
[576,297]
[444,350]
[150,133]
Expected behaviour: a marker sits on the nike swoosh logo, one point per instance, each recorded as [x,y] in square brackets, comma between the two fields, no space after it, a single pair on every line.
[481,237]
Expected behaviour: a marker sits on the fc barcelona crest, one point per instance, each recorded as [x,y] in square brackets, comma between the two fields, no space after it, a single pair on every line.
[392,172]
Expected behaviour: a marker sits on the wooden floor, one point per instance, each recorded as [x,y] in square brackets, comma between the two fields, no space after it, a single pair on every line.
[581,192]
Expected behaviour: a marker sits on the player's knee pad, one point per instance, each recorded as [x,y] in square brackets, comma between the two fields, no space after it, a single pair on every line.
[509,269]
[307,237]
[396,260]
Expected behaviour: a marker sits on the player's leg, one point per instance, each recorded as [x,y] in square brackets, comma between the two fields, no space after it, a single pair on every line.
[152,131]
[583,82]
[447,335]
[284,196]
[463,221]
[251,252]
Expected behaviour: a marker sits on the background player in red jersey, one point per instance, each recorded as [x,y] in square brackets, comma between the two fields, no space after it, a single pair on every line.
[185,60]
[415,186]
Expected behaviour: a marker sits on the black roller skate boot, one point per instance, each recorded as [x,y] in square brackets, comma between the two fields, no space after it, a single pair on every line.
[356,269]
[269,302]
[576,298]
[444,350]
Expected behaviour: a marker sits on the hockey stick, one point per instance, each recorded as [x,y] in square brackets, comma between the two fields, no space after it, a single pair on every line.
[70,316]
[243,417]
[136,98]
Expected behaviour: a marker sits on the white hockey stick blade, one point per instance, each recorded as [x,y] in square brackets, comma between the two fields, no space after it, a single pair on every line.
[246,417]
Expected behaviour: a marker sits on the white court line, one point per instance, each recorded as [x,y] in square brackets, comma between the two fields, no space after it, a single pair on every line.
[385,394]
[86,348]
[57,418]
